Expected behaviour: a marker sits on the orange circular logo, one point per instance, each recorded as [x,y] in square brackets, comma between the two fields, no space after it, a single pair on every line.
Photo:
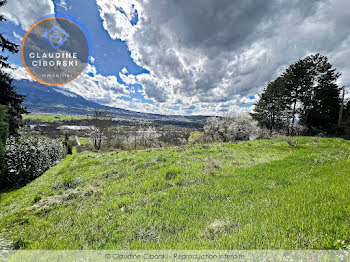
[55,50]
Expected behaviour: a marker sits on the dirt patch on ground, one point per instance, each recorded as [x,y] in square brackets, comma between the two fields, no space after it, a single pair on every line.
[66,196]
[220,227]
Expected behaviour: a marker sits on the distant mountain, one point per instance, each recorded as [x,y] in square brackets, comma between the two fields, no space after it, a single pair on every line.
[55,100]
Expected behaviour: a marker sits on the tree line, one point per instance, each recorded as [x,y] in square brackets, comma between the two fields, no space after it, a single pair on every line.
[306,95]
[11,108]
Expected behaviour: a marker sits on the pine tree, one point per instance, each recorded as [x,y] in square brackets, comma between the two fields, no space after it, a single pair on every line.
[322,101]
[3,136]
[272,109]
[346,120]
[8,94]
[306,93]
[347,111]
[298,78]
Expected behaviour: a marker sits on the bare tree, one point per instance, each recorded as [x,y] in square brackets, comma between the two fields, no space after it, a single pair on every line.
[148,136]
[100,122]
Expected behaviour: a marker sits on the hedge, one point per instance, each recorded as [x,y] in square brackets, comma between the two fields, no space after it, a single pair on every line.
[4,126]
[29,157]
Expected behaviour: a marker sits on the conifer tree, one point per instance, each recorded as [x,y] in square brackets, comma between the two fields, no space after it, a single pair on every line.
[8,94]
[306,93]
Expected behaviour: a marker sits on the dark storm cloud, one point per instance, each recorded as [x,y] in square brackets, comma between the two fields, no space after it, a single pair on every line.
[210,51]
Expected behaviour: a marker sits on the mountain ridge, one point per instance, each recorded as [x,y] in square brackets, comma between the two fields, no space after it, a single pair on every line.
[47,99]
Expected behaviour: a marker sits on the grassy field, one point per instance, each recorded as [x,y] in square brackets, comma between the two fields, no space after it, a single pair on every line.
[53,118]
[260,194]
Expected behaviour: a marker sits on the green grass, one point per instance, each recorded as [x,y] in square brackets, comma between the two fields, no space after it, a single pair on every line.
[54,118]
[259,194]
[84,140]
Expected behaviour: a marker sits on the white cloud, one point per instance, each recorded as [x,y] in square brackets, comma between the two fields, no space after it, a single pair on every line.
[206,56]
[18,37]
[214,54]
[96,87]
[90,85]
[25,12]
[63,4]
[117,16]
[19,73]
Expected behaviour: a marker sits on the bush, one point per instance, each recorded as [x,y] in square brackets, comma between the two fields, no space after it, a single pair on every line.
[196,137]
[300,130]
[231,128]
[4,127]
[292,141]
[264,133]
[29,157]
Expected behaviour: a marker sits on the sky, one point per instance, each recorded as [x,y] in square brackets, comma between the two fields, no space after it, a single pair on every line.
[190,57]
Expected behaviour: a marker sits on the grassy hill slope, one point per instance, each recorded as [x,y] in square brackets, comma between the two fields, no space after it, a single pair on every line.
[252,195]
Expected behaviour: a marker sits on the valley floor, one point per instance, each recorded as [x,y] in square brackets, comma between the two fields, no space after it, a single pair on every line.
[259,194]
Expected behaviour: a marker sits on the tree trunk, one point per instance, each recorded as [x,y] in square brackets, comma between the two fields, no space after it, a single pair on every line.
[341,108]
[293,118]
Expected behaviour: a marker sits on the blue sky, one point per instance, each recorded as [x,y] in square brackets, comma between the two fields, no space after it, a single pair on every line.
[111,56]
[190,57]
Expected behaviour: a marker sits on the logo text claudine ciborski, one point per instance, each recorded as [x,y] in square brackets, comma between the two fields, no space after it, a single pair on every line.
[55,50]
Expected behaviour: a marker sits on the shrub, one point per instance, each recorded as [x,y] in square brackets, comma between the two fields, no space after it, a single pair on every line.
[196,137]
[4,127]
[231,128]
[29,157]
[300,129]
[292,141]
[264,133]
